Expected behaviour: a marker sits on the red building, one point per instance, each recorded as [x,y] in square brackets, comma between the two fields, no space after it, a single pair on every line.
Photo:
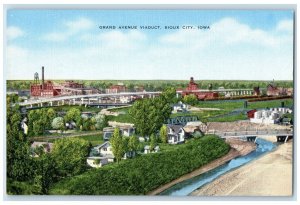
[192,88]
[116,89]
[273,90]
[47,89]
[72,84]
[250,113]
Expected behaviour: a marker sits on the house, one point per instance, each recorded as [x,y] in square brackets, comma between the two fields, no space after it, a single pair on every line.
[179,107]
[24,126]
[147,149]
[125,130]
[176,134]
[104,150]
[97,162]
[36,147]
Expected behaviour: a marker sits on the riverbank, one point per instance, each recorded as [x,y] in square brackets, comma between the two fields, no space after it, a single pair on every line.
[270,175]
[238,148]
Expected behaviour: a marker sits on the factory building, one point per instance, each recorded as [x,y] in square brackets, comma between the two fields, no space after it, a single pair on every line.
[119,88]
[51,89]
[270,116]
[192,88]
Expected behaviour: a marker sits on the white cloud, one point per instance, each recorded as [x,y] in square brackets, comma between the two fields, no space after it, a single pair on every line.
[79,24]
[229,50]
[285,25]
[14,32]
[70,28]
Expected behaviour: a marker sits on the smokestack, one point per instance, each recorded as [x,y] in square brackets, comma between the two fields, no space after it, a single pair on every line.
[43,77]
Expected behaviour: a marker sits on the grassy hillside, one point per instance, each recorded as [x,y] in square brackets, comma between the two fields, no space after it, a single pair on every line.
[142,174]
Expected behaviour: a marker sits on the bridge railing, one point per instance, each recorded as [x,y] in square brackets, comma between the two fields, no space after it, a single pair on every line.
[251,132]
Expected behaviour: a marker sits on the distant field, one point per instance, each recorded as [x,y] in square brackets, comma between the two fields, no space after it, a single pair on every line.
[159,84]
[229,110]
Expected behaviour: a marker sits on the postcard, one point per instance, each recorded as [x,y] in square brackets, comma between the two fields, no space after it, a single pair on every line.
[149,102]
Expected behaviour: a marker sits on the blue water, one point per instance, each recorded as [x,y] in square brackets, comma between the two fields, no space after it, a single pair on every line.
[186,187]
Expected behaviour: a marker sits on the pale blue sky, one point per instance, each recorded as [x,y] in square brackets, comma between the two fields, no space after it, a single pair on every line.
[240,44]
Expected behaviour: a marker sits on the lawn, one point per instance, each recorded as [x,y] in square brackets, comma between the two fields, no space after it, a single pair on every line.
[93,139]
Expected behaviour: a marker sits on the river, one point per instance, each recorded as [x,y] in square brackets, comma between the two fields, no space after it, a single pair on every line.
[186,187]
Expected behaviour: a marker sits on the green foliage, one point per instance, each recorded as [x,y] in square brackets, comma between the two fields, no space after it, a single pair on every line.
[70,156]
[73,114]
[88,124]
[45,173]
[40,120]
[190,99]
[118,145]
[19,163]
[101,121]
[149,114]
[144,173]
[133,143]
[58,123]
[153,142]
[163,134]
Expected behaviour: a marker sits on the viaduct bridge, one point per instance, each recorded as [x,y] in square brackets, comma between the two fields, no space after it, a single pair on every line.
[114,98]
[252,135]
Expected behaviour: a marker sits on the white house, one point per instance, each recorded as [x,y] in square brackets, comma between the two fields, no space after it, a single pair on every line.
[147,149]
[176,134]
[97,162]
[125,130]
[179,107]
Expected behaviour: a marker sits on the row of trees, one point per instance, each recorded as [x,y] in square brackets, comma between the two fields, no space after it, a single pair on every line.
[44,119]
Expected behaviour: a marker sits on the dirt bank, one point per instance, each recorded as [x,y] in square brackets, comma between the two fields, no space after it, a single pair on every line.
[270,175]
[243,125]
[239,148]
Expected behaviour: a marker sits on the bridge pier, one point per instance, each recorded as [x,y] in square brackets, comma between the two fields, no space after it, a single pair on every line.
[74,101]
[282,138]
[63,102]
[251,138]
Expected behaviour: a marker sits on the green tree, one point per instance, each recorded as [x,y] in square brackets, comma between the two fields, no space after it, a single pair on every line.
[140,115]
[149,114]
[153,142]
[38,128]
[169,95]
[45,173]
[117,144]
[19,162]
[163,133]
[101,121]
[51,114]
[58,123]
[190,99]
[133,144]
[70,156]
[73,114]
